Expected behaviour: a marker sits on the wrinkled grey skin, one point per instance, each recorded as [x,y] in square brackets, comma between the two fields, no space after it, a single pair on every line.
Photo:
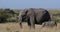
[49,24]
[34,16]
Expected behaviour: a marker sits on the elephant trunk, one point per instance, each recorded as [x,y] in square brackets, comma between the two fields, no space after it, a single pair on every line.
[20,21]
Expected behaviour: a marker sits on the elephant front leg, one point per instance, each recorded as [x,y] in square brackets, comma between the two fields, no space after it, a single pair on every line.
[32,22]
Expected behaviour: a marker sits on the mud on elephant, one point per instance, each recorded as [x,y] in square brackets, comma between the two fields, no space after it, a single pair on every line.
[34,16]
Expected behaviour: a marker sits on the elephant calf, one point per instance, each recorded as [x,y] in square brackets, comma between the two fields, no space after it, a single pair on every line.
[49,24]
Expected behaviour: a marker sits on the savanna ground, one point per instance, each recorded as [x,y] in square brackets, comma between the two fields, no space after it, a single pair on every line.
[14,27]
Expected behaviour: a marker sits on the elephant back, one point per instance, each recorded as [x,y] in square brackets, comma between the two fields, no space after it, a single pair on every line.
[42,15]
[31,12]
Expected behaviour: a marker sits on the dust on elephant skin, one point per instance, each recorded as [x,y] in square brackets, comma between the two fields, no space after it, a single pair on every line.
[34,16]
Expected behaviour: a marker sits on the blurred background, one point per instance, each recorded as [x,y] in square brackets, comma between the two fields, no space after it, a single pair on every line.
[9,9]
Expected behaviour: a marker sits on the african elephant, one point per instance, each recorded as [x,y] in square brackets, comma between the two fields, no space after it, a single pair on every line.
[49,24]
[34,16]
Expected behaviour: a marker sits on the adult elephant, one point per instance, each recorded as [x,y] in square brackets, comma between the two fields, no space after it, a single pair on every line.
[34,16]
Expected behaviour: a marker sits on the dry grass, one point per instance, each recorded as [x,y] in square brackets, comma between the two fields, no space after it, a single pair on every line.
[14,27]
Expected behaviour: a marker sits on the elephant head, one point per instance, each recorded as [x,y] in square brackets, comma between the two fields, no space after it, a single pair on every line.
[22,16]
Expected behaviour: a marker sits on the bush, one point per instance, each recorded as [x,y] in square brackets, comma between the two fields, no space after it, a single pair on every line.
[7,14]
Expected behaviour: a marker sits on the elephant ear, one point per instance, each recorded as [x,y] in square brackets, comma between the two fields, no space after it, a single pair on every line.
[26,11]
